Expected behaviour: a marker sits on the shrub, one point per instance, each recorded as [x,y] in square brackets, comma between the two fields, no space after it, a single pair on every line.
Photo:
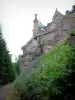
[16,68]
[72,33]
[53,79]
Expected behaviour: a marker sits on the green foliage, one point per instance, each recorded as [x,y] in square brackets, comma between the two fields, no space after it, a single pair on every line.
[16,68]
[53,79]
[72,33]
[73,7]
[6,72]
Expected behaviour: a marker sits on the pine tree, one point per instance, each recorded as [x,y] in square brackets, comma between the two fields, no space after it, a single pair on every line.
[6,72]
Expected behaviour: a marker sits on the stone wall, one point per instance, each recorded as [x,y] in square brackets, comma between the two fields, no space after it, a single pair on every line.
[59,32]
[54,33]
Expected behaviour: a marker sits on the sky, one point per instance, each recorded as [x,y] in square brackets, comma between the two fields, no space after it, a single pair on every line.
[16,17]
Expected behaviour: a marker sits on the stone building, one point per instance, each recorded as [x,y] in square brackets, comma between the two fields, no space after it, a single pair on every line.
[46,37]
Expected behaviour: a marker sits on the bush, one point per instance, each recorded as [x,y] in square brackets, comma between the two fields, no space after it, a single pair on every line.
[72,33]
[53,79]
[16,68]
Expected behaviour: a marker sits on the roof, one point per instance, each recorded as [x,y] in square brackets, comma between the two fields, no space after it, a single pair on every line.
[57,13]
[40,25]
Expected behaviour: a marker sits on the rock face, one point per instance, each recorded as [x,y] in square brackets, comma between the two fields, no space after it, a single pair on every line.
[31,52]
[46,37]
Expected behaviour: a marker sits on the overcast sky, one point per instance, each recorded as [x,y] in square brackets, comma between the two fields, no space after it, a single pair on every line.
[16,17]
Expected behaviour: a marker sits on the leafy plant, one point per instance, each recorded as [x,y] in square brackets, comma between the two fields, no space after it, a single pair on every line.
[53,79]
[72,33]
[16,66]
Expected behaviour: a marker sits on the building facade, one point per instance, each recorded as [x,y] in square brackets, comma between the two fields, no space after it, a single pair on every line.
[46,37]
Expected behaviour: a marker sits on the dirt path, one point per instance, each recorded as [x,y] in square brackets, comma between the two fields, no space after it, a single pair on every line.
[4,91]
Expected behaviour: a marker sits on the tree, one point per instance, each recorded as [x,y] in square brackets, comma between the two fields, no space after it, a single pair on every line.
[67,12]
[6,72]
[16,66]
[73,7]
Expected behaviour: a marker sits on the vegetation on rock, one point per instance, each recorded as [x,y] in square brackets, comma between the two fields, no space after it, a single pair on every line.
[53,79]
[72,33]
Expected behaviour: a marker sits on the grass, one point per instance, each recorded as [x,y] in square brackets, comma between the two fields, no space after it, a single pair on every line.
[13,95]
[50,80]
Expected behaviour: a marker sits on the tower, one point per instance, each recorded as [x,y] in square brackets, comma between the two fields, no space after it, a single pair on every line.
[36,28]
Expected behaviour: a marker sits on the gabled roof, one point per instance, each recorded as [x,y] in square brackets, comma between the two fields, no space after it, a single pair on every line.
[57,13]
